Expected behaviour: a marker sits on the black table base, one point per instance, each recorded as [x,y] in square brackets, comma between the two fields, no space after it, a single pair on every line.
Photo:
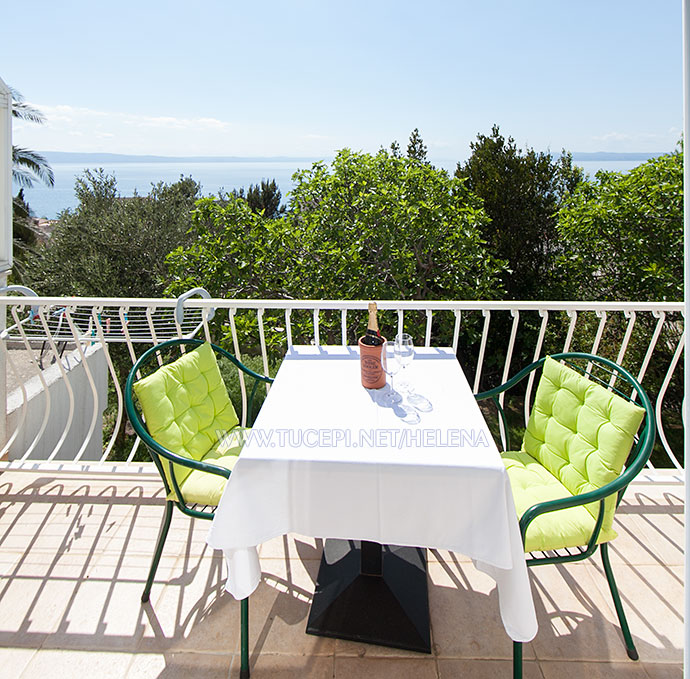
[372,593]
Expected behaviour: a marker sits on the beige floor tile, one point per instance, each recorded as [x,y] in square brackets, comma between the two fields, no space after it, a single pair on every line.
[592,670]
[192,612]
[465,617]
[281,666]
[650,531]
[77,665]
[356,649]
[9,560]
[295,546]
[101,615]
[126,567]
[653,601]
[385,668]
[279,609]
[180,666]
[75,552]
[31,609]
[576,619]
[186,537]
[663,670]
[631,546]
[47,564]
[443,555]
[457,668]
[13,661]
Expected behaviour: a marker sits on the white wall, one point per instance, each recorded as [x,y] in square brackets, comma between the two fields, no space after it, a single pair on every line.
[5,177]
[59,409]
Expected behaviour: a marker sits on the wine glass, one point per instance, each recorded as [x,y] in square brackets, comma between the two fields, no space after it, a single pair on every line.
[404,350]
[391,366]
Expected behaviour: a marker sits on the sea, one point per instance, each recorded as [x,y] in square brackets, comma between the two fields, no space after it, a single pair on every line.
[139,176]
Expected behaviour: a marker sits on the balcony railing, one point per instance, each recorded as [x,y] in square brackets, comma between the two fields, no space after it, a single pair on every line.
[65,403]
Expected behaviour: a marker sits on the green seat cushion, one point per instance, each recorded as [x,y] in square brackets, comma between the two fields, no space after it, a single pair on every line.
[531,483]
[186,406]
[205,488]
[581,432]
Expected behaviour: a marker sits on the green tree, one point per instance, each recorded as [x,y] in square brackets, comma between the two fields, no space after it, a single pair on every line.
[367,227]
[522,192]
[371,226]
[382,226]
[416,148]
[28,167]
[25,238]
[622,234]
[263,198]
[113,246]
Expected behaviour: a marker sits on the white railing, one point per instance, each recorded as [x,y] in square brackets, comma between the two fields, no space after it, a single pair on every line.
[57,413]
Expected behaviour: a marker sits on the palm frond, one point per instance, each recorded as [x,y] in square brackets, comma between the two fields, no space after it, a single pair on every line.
[24,111]
[29,166]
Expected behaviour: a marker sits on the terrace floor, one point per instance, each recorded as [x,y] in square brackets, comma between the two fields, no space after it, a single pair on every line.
[75,551]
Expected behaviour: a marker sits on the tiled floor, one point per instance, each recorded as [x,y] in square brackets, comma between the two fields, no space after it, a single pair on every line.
[75,551]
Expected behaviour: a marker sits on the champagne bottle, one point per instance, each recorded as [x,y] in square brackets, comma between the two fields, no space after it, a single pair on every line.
[373,336]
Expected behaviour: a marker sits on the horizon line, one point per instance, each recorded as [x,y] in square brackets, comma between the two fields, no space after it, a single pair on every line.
[133,157]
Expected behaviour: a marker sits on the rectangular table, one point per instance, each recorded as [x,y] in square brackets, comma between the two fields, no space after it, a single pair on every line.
[327,459]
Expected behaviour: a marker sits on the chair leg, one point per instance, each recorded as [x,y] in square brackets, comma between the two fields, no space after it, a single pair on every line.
[244,638]
[629,644]
[517,660]
[159,550]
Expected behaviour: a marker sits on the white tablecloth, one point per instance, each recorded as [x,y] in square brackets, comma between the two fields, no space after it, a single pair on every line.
[327,459]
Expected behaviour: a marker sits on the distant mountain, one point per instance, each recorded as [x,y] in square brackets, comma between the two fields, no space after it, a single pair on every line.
[95,158]
[607,155]
[91,159]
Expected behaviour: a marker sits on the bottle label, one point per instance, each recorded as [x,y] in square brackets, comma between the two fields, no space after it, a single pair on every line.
[371,369]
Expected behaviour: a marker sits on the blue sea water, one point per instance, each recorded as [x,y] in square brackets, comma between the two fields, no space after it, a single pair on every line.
[213,176]
[140,176]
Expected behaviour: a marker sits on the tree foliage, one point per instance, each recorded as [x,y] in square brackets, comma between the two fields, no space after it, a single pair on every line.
[263,198]
[370,226]
[416,148]
[522,192]
[113,246]
[25,238]
[622,234]
[28,167]
[367,227]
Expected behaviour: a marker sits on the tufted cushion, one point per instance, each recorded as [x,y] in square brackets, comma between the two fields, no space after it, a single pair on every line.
[204,488]
[580,432]
[186,406]
[532,483]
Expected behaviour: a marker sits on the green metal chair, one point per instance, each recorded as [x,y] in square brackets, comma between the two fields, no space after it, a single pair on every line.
[179,406]
[580,451]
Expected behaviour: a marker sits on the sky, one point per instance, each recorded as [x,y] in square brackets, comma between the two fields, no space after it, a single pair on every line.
[308,77]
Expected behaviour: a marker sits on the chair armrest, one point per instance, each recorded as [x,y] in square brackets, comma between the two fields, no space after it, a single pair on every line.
[618,484]
[534,511]
[518,377]
[238,364]
[183,461]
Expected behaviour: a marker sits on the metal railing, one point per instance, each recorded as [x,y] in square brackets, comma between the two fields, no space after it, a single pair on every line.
[74,338]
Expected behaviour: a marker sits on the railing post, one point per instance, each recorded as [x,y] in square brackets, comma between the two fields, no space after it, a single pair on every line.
[5,234]
[686,276]
[3,369]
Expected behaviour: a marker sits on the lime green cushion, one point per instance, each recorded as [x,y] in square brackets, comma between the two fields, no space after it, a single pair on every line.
[581,433]
[204,488]
[186,406]
[531,483]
